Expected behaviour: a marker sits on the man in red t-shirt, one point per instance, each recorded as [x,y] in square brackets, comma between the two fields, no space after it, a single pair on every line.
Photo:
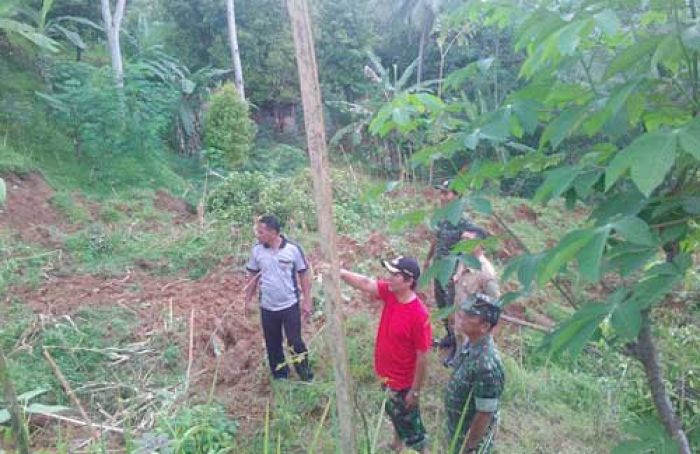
[403,342]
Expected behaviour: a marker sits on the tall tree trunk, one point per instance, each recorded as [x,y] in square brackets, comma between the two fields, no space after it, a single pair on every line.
[233,41]
[113,24]
[316,139]
[428,22]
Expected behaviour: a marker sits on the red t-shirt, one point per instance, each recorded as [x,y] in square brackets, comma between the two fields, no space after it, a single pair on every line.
[404,329]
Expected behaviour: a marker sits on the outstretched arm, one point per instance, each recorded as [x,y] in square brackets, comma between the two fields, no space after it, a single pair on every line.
[360,282]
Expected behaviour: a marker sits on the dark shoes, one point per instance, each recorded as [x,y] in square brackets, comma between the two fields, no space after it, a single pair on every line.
[305,374]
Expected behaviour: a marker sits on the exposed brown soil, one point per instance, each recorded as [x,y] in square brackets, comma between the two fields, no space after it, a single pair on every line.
[178,208]
[27,211]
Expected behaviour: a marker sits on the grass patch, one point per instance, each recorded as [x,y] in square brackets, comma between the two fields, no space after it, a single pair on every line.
[24,264]
[65,203]
[14,162]
[553,410]
[102,249]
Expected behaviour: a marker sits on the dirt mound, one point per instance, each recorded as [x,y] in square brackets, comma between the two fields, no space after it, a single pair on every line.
[28,212]
[177,207]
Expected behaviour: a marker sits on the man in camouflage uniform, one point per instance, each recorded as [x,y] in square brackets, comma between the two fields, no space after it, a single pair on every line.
[447,235]
[473,394]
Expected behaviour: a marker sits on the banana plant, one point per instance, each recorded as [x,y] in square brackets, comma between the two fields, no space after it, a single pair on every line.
[14,27]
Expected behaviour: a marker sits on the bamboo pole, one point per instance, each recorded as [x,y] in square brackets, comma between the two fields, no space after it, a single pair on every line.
[318,154]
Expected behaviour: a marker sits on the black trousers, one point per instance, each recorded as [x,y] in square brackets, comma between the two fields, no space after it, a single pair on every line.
[272,324]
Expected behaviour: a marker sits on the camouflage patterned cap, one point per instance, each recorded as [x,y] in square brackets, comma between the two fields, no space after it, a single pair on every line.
[482,305]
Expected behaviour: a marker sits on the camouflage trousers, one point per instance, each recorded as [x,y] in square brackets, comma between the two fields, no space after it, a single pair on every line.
[406,421]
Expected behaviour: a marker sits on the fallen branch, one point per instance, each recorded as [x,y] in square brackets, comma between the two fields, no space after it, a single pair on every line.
[69,391]
[78,422]
[517,321]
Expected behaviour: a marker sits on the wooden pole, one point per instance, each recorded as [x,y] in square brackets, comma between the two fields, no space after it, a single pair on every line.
[318,154]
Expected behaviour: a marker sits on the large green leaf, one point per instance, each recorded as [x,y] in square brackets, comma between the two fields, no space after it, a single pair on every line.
[563,126]
[24,397]
[583,184]
[669,54]
[528,269]
[658,282]
[649,159]
[607,21]
[441,269]
[626,320]
[574,333]
[627,203]
[632,56]
[452,212]
[612,107]
[617,167]
[570,36]
[28,32]
[689,139]
[556,183]
[627,258]
[590,257]
[635,231]
[479,204]
[654,158]
[564,252]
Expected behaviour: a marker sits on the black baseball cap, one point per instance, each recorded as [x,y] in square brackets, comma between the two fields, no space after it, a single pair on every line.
[482,305]
[408,266]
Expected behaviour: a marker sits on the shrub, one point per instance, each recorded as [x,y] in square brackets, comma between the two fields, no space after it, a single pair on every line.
[196,429]
[228,127]
[246,195]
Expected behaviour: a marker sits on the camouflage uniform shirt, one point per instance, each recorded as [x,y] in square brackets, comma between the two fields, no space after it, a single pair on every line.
[476,385]
[448,235]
